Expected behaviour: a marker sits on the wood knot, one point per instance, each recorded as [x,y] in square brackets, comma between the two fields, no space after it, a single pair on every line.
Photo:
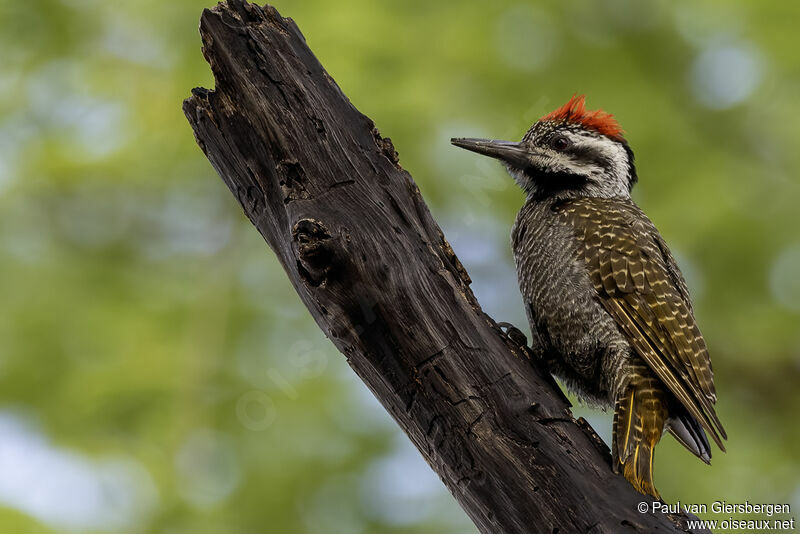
[315,251]
[386,147]
[292,179]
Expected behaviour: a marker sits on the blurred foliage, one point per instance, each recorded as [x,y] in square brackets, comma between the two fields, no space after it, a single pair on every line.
[158,373]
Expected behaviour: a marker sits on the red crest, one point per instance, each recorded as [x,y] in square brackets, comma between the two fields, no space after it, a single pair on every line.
[575,112]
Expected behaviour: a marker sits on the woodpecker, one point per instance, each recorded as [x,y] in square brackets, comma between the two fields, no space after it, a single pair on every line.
[602,290]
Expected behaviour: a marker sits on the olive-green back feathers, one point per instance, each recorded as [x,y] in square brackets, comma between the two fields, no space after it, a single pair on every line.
[639,284]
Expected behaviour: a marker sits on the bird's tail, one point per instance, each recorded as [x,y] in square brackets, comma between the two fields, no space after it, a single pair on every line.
[639,417]
[689,433]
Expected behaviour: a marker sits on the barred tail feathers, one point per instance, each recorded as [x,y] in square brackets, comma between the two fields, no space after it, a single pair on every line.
[639,418]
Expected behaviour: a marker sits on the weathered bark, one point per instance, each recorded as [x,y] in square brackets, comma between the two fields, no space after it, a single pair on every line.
[364,254]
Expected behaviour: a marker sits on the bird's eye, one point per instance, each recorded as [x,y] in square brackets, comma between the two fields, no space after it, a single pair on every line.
[560,142]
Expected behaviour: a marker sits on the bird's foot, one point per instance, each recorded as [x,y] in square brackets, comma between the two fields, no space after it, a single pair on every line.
[514,334]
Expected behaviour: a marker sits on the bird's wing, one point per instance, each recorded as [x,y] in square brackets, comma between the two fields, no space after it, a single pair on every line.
[639,284]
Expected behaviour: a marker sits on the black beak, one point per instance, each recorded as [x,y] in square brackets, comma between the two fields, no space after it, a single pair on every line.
[515,154]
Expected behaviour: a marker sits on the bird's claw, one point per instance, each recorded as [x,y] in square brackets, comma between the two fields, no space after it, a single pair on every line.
[513,333]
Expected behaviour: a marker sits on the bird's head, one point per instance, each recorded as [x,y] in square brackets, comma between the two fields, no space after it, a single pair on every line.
[568,153]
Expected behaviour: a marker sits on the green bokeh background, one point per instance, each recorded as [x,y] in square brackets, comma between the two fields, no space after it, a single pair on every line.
[158,373]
